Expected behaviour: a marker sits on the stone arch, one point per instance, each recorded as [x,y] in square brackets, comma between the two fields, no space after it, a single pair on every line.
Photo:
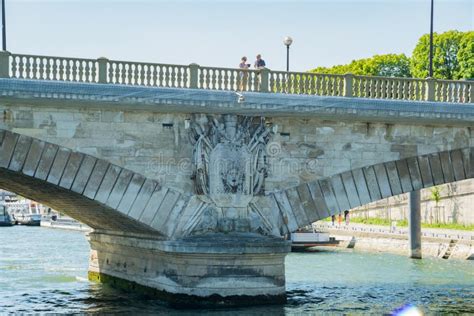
[309,202]
[94,191]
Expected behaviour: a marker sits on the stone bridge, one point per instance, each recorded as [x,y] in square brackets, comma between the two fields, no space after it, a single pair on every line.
[191,187]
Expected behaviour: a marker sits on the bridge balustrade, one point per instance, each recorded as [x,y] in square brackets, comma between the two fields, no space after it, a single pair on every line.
[102,70]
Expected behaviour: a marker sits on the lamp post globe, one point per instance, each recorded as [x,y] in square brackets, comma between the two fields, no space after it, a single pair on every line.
[287,41]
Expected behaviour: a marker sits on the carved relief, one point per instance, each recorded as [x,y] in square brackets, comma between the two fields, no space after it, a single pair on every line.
[229,169]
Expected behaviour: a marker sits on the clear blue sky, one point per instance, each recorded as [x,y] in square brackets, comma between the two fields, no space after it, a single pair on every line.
[219,33]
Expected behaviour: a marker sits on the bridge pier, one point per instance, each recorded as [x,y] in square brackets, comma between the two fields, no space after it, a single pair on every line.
[215,269]
[414,224]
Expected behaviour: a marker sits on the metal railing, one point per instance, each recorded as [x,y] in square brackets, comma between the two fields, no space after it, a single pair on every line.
[193,76]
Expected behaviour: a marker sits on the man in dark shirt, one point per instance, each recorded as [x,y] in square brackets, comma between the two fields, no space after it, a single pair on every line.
[259,63]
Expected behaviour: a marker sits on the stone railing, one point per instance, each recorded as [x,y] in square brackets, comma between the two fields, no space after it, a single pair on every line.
[193,76]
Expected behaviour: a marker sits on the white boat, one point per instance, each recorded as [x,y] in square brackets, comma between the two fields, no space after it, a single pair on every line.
[24,212]
[302,240]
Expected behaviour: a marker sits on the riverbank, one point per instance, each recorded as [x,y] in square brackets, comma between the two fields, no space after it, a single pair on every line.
[440,243]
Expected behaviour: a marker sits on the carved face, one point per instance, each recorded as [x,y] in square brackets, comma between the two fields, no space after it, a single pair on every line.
[232,178]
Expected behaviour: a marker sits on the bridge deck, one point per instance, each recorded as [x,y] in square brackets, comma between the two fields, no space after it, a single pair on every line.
[179,100]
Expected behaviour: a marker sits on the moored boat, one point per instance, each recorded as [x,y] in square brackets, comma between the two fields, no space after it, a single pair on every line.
[5,219]
[303,240]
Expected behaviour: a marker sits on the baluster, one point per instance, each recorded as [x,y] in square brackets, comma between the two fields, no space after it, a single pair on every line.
[173,83]
[87,71]
[223,82]
[21,68]
[61,69]
[119,73]
[174,77]
[207,79]
[111,72]
[48,69]
[136,74]
[34,67]
[166,76]
[464,95]
[399,90]
[391,94]
[142,78]
[456,92]
[14,67]
[148,75]
[124,73]
[41,67]
[80,71]
[54,70]
[153,75]
[301,83]
[444,92]
[160,77]
[231,79]
[94,77]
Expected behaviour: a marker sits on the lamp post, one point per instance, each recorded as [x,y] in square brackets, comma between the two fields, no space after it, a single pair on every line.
[4,29]
[431,42]
[287,41]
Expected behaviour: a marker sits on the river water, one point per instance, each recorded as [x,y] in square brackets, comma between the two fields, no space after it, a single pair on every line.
[44,270]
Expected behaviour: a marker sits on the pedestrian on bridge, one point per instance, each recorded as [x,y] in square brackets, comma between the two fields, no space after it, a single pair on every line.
[243,74]
[259,63]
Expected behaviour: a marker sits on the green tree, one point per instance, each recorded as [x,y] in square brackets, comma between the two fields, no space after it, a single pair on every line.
[389,65]
[451,50]
[466,56]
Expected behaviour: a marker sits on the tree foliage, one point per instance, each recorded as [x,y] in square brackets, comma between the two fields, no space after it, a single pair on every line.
[453,58]
[451,50]
[389,65]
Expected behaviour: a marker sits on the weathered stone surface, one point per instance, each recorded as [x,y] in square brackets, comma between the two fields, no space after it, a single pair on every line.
[107,183]
[382,180]
[372,184]
[142,199]
[59,163]
[404,174]
[361,185]
[33,157]
[340,192]
[131,194]
[318,198]
[83,174]
[297,207]
[393,178]
[46,161]
[351,189]
[287,213]
[98,173]
[21,150]
[425,171]
[120,186]
[458,165]
[307,203]
[436,171]
[7,148]
[153,205]
[415,174]
[72,167]
[329,196]
[166,206]
[446,166]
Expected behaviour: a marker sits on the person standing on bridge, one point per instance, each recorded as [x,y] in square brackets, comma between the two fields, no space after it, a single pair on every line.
[259,63]
[243,74]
